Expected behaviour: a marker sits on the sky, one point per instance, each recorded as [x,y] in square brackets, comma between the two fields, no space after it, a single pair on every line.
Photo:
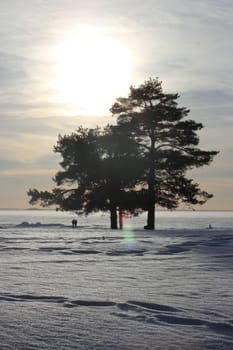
[63,63]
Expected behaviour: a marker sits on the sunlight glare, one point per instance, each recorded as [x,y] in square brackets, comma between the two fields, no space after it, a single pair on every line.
[91,71]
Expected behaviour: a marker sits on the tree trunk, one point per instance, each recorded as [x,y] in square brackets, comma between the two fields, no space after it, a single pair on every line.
[120,219]
[113,217]
[151,188]
[151,209]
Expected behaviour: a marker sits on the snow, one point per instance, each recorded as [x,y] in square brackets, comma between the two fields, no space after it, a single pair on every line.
[93,288]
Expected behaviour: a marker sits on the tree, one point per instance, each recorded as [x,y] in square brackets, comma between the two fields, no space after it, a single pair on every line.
[79,157]
[168,144]
[121,169]
[99,173]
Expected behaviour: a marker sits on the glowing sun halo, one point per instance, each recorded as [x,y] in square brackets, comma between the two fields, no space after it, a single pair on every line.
[91,71]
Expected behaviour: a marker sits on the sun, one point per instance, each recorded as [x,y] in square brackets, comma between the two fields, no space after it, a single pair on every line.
[91,70]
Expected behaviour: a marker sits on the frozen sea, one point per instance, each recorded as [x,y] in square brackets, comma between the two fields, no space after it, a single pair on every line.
[96,288]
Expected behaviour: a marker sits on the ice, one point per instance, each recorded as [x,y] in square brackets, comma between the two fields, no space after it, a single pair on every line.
[93,288]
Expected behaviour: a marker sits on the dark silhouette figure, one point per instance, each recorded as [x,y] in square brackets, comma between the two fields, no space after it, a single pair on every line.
[74,223]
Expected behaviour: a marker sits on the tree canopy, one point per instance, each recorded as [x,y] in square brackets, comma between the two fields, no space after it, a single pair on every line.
[100,169]
[168,143]
[139,163]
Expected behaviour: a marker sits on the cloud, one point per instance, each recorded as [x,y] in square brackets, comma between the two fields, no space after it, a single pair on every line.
[6,164]
[12,68]
[26,148]
[28,142]
[186,43]
[14,186]
[22,89]
[14,80]
[49,126]
[210,97]
[212,107]
[222,193]
[15,173]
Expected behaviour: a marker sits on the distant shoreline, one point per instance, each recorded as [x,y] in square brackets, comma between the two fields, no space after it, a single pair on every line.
[157,210]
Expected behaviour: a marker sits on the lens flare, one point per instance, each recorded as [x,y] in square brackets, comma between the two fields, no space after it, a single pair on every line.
[129,238]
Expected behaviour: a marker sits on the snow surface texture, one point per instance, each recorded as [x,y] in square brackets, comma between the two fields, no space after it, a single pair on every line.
[92,288]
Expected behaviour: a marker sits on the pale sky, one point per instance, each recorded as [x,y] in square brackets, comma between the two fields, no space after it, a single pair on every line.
[63,63]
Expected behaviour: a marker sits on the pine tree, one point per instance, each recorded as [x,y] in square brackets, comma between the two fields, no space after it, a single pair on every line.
[168,143]
[99,171]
